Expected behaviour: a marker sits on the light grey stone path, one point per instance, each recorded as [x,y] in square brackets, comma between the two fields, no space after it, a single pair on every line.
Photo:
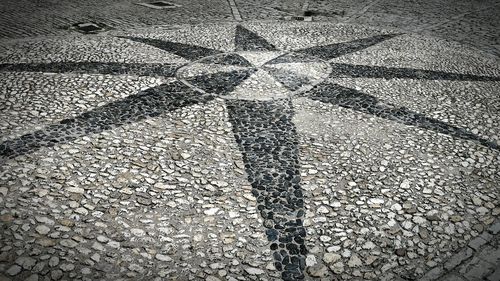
[250,140]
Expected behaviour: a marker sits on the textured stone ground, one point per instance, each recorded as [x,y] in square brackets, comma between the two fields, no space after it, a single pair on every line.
[475,23]
[353,147]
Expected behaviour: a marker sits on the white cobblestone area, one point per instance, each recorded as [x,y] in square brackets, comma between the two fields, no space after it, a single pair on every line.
[250,140]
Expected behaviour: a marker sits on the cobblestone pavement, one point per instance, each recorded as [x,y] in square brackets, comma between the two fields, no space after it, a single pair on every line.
[352,147]
[475,23]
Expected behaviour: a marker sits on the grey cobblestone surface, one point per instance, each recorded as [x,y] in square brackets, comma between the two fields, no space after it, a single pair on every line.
[478,28]
[475,23]
[231,140]
[26,18]
[480,260]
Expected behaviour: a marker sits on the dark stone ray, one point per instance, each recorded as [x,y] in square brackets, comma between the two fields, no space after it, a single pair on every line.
[220,83]
[146,104]
[187,51]
[114,68]
[340,70]
[327,52]
[268,141]
[289,79]
[353,99]
[246,40]
[226,59]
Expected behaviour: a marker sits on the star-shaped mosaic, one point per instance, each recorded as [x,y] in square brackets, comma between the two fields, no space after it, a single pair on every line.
[262,123]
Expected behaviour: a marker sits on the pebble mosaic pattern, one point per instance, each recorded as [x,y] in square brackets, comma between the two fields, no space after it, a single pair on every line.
[246,40]
[187,51]
[350,98]
[263,129]
[331,51]
[220,83]
[226,59]
[298,77]
[150,103]
[139,69]
[267,138]
[340,70]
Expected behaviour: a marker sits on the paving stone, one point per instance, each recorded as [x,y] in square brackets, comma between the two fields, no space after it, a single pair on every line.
[476,269]
[42,229]
[32,277]
[26,262]
[494,228]
[318,270]
[490,254]
[433,274]
[14,270]
[495,276]
[477,243]
[452,277]
[458,258]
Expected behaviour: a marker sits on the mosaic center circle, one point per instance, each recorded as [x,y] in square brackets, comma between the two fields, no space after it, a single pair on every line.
[276,74]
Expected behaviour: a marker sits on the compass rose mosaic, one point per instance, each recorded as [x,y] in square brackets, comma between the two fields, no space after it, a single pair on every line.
[260,83]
